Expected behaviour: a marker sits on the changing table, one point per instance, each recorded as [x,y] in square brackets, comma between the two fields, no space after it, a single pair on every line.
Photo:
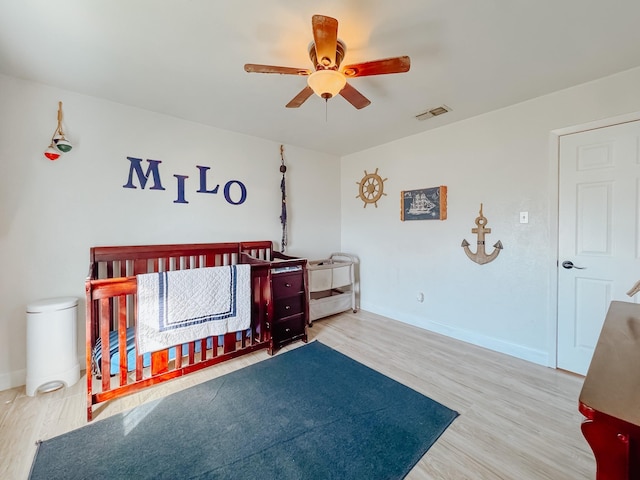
[331,285]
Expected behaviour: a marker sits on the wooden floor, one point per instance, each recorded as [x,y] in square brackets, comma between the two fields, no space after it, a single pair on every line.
[518,421]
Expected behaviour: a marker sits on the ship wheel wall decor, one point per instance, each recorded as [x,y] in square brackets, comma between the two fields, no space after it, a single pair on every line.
[371,188]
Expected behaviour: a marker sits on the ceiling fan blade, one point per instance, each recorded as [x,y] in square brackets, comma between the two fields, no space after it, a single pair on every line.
[253,68]
[300,98]
[378,67]
[325,37]
[354,97]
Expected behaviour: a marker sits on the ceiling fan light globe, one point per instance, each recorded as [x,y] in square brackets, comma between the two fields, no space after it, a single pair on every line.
[326,83]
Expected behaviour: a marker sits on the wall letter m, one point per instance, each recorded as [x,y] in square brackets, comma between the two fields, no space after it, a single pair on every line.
[152,169]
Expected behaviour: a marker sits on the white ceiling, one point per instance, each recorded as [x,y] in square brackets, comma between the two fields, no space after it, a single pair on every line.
[185,58]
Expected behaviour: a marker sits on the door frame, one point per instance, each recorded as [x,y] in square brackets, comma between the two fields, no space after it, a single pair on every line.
[554,207]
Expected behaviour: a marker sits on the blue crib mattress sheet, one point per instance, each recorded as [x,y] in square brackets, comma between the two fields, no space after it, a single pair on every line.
[114,351]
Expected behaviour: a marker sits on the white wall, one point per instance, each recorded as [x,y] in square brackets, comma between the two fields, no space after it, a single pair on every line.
[504,160]
[53,212]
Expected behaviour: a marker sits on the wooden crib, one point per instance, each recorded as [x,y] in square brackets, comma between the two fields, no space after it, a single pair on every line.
[113,367]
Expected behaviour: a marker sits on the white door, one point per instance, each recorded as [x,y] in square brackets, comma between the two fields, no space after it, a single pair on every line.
[599,200]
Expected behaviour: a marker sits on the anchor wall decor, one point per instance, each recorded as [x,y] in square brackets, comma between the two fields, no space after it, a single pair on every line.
[481,256]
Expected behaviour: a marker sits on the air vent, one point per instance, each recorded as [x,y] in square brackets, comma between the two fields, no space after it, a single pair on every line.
[434,112]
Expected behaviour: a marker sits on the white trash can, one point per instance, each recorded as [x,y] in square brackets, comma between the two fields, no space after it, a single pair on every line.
[52,344]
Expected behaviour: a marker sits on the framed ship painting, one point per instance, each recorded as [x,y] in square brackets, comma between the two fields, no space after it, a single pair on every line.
[424,204]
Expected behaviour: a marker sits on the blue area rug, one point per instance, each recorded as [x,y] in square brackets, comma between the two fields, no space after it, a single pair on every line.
[310,413]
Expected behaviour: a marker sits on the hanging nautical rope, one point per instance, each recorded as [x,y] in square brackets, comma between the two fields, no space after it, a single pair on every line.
[283,189]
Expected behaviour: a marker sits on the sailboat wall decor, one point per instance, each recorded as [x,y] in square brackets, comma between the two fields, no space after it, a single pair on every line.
[424,204]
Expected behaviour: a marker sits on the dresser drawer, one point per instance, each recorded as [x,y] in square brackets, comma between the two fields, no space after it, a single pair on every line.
[285,285]
[285,307]
[284,330]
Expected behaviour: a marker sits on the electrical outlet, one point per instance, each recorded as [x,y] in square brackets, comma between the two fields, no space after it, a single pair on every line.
[524,217]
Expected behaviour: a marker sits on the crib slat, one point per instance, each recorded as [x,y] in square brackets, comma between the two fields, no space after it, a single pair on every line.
[159,362]
[140,266]
[203,349]
[192,353]
[229,342]
[105,320]
[138,368]
[135,323]
[214,346]
[122,338]
[257,307]
[179,356]
[261,291]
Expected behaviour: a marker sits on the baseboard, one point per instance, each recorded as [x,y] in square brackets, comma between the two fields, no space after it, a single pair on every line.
[539,357]
[13,379]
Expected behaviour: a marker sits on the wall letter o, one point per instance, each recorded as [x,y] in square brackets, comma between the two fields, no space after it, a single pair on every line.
[243,192]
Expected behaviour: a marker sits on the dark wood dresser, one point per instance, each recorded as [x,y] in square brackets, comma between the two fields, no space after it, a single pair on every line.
[287,308]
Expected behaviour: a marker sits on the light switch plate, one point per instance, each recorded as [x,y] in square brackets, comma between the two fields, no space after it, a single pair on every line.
[524,217]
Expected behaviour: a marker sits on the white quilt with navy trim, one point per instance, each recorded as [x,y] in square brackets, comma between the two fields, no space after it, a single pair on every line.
[180,306]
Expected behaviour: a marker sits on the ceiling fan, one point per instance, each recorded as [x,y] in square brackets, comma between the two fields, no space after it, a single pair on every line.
[328,78]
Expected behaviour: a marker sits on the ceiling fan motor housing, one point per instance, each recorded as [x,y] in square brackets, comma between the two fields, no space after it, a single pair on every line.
[341,49]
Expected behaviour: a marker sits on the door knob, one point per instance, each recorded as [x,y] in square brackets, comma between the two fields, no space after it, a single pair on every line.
[568,264]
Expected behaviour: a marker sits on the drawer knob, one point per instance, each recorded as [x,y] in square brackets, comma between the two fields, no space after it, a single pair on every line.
[287,330]
[287,285]
[287,307]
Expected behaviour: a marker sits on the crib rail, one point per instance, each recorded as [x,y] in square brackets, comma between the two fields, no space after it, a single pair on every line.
[111,311]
